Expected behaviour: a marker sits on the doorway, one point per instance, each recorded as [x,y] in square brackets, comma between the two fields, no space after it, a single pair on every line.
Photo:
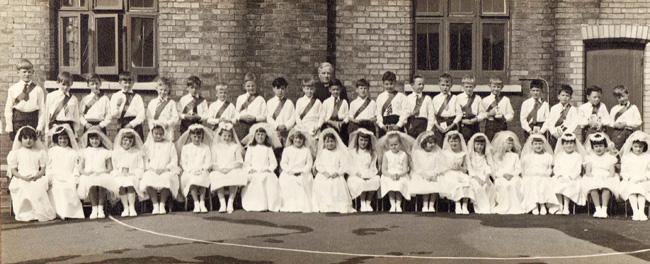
[612,63]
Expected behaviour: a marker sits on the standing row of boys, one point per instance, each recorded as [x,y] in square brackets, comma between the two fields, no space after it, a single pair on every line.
[433,121]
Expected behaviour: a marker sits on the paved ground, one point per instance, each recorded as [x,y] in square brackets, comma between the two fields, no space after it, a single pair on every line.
[184,237]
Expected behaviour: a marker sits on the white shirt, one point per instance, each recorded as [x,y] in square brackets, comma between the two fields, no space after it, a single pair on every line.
[503,107]
[526,107]
[201,108]
[257,108]
[570,122]
[426,109]
[631,117]
[476,107]
[367,114]
[328,108]
[586,110]
[168,116]
[68,113]
[397,104]
[311,119]
[36,102]
[100,110]
[227,115]
[286,116]
[136,108]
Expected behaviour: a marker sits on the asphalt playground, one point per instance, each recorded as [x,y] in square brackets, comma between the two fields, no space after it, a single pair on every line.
[247,237]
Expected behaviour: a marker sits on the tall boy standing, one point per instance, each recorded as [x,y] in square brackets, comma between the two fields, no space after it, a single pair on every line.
[563,117]
[447,112]
[498,110]
[25,104]
[534,110]
[127,106]
[625,117]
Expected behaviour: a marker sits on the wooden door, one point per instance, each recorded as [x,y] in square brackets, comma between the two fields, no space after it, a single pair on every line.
[612,63]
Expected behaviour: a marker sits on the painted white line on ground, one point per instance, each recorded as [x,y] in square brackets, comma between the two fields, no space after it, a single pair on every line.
[380,255]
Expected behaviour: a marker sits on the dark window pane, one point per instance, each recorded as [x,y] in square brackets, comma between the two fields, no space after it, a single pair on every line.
[428,47]
[70,41]
[142,42]
[141,3]
[461,6]
[106,41]
[460,47]
[73,3]
[427,6]
[494,6]
[493,56]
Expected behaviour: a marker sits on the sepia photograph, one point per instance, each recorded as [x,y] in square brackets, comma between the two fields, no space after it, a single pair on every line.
[324,131]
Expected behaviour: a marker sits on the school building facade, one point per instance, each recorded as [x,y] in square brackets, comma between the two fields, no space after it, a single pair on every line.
[579,42]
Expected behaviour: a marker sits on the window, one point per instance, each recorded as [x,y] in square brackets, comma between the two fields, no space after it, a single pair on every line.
[461,37]
[107,37]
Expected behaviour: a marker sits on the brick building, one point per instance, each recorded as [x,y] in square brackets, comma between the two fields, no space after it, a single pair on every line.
[579,42]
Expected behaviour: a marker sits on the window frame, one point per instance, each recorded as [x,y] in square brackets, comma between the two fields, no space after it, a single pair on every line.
[462,14]
[506,8]
[105,70]
[127,51]
[76,69]
[118,7]
[443,9]
[83,7]
[477,20]
[142,9]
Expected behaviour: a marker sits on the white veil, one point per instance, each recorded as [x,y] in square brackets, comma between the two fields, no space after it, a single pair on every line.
[528,146]
[599,137]
[499,144]
[635,137]
[137,143]
[569,136]
[185,137]
[445,144]
[488,146]
[106,142]
[341,150]
[270,133]
[62,129]
[309,142]
[420,139]
[225,126]
[38,144]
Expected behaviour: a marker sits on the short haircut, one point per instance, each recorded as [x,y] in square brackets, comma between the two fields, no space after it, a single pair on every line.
[64,78]
[194,81]
[280,82]
[417,77]
[468,79]
[325,65]
[644,145]
[27,132]
[362,82]
[621,87]
[496,80]
[125,76]
[565,88]
[594,88]
[445,76]
[430,138]
[250,77]
[93,78]
[336,82]
[166,81]
[308,81]
[24,64]
[389,76]
[537,84]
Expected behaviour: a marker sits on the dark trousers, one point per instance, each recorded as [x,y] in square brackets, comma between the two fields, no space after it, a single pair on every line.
[416,125]
[186,123]
[494,126]
[369,125]
[469,130]
[439,135]
[138,129]
[21,119]
[618,136]
[242,127]
[388,120]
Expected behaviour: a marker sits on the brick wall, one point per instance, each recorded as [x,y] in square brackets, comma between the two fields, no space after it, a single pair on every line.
[373,36]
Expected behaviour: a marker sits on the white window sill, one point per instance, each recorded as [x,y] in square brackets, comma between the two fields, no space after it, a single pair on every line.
[138,86]
[434,88]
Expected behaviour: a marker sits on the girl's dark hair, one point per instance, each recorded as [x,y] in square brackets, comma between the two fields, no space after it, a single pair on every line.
[267,140]
[643,144]
[454,136]
[158,127]
[27,132]
[298,135]
[568,141]
[599,142]
[328,135]
[55,137]
[362,135]
[480,139]
[94,135]
[426,140]
[537,140]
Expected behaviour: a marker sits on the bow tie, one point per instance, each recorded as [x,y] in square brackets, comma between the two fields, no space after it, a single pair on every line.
[393,92]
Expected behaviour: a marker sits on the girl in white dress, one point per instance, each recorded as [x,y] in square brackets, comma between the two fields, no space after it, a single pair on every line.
[507,171]
[63,173]
[226,173]
[395,167]
[424,177]
[479,168]
[161,174]
[537,185]
[95,182]
[128,166]
[330,191]
[567,169]
[262,193]
[635,166]
[600,181]
[28,188]
[364,179]
[453,172]
[196,160]
[296,179]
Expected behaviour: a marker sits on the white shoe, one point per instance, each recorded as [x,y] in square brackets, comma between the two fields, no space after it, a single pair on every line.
[161,209]
[543,210]
[535,211]
[100,214]
[132,211]
[156,209]
[196,208]
[425,209]
[93,213]
[432,208]
[125,213]
[643,217]
[399,209]
[465,211]
[202,207]
[392,209]
[230,208]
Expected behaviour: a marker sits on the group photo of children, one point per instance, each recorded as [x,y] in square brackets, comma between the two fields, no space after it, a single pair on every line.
[323,153]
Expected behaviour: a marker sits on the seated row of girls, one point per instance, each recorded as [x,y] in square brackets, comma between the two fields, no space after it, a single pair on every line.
[635,173]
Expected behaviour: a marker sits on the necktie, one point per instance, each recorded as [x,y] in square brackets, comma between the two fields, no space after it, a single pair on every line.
[25,93]
[536,108]
[418,105]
